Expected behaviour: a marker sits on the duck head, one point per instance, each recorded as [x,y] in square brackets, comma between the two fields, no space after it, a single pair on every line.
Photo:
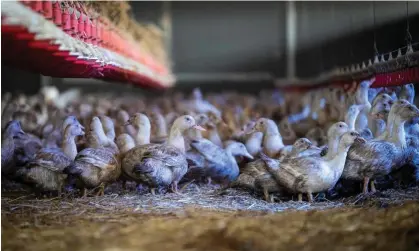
[122,116]
[302,144]
[409,112]
[73,131]
[139,120]
[14,129]
[351,137]
[186,122]
[338,129]
[71,120]
[238,149]
[383,98]
[259,126]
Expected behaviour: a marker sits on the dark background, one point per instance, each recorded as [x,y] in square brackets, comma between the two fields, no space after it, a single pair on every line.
[212,40]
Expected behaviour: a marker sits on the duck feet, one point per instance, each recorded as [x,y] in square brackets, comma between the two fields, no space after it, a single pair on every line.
[101,191]
[300,197]
[373,187]
[84,193]
[208,180]
[175,188]
[153,191]
[365,187]
[268,197]
[310,197]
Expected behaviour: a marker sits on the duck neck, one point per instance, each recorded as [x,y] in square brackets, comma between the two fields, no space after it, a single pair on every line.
[254,143]
[332,147]
[231,155]
[143,136]
[398,136]
[380,127]
[272,140]
[176,139]
[337,163]
[126,148]
[350,119]
[214,137]
[386,135]
[362,120]
[69,146]
[102,136]
[161,126]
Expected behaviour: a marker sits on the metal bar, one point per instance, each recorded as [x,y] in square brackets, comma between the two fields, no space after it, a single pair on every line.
[291,39]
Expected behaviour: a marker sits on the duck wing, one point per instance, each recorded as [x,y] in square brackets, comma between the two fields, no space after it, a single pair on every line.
[210,151]
[195,159]
[52,159]
[99,157]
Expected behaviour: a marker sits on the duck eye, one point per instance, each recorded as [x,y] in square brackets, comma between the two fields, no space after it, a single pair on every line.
[340,126]
[352,134]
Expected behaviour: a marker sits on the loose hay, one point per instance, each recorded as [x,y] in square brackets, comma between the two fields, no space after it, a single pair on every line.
[204,218]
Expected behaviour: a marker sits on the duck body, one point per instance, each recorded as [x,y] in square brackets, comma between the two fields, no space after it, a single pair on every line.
[155,165]
[94,166]
[45,171]
[372,160]
[312,174]
[9,144]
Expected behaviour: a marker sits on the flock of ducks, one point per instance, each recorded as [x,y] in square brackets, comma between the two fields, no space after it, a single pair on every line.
[289,144]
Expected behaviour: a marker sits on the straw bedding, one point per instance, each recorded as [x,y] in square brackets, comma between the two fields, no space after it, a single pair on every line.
[207,218]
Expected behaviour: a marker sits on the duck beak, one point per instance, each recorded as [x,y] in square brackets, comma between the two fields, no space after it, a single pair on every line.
[360,140]
[250,131]
[198,127]
[247,155]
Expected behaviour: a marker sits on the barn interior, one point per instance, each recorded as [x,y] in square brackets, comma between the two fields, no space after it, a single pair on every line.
[143,125]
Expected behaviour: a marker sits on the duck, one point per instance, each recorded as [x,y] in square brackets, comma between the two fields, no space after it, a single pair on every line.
[215,163]
[125,143]
[361,98]
[159,123]
[386,135]
[95,166]
[193,134]
[123,127]
[407,92]
[264,182]
[96,137]
[108,127]
[379,157]
[198,104]
[316,136]
[252,141]
[142,126]
[45,171]
[212,126]
[312,174]
[163,165]
[272,140]
[55,137]
[334,133]
[12,131]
